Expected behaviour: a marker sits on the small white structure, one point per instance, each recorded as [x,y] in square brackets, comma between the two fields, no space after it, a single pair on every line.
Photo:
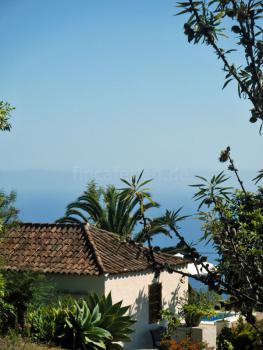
[81,258]
[195,270]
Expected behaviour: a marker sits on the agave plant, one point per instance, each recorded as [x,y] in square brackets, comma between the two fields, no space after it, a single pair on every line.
[68,323]
[85,326]
[114,318]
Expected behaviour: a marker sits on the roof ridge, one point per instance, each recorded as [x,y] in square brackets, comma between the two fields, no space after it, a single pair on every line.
[130,241]
[48,223]
[115,235]
[93,245]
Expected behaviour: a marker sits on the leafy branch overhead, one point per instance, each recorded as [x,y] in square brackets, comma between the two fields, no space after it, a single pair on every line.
[209,22]
[233,223]
[209,191]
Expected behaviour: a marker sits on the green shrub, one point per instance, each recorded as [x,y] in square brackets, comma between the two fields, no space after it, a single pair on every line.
[207,298]
[242,337]
[173,321]
[2,286]
[95,323]
[225,339]
[25,289]
[246,337]
[7,317]
[47,322]
[193,313]
[41,323]
[197,305]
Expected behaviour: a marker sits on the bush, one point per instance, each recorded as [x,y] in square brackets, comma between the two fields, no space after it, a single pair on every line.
[173,321]
[7,317]
[42,324]
[242,337]
[7,311]
[193,314]
[25,289]
[2,286]
[47,323]
[95,323]
[198,305]
[207,298]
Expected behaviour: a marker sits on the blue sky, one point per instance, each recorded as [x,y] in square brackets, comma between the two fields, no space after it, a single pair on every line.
[104,89]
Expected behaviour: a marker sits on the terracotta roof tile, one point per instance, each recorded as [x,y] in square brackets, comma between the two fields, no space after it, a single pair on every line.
[117,256]
[72,248]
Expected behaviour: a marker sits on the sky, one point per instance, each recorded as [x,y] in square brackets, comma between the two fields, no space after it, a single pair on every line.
[104,89]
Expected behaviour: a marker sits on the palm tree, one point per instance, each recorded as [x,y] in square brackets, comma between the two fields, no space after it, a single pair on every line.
[112,210]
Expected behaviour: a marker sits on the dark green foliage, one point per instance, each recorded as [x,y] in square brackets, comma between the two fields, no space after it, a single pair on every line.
[225,339]
[234,224]
[23,290]
[205,298]
[242,337]
[259,177]
[41,323]
[7,317]
[209,190]
[8,216]
[47,322]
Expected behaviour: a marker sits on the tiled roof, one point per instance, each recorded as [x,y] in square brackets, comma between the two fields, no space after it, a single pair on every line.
[74,249]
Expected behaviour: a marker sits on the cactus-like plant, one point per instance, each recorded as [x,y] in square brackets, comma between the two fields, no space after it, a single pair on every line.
[87,334]
[114,318]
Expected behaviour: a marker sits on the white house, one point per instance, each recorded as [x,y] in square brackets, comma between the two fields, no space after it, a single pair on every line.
[81,258]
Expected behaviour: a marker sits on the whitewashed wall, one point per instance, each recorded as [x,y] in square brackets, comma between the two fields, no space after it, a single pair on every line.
[132,288]
[77,285]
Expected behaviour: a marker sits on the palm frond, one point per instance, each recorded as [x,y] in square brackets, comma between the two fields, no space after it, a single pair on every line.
[259,177]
